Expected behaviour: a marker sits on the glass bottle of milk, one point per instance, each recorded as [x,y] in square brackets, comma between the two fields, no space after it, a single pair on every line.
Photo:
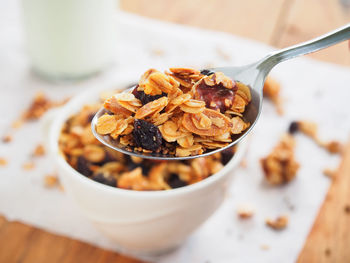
[70,39]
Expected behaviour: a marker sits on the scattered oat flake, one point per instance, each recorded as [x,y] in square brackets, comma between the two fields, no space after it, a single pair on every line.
[331,173]
[243,163]
[279,223]
[7,138]
[3,162]
[51,180]
[28,166]
[245,212]
[333,146]
[60,187]
[39,150]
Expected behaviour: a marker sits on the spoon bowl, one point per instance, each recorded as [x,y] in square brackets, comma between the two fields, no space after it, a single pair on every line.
[252,75]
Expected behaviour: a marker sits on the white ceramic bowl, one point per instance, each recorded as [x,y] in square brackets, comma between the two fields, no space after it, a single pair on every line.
[139,222]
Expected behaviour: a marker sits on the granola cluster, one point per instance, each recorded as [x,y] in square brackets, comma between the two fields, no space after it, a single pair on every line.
[38,107]
[183,112]
[98,162]
[280,165]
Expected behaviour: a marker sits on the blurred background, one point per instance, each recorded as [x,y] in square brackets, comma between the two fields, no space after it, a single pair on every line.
[278,23]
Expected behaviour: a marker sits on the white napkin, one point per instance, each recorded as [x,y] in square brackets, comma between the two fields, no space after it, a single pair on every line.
[313,90]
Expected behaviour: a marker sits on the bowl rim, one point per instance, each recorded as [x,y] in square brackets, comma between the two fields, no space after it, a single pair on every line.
[59,116]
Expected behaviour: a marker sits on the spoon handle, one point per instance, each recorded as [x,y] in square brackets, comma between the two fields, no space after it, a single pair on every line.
[326,40]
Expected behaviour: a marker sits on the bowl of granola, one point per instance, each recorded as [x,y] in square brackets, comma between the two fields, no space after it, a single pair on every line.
[144,206]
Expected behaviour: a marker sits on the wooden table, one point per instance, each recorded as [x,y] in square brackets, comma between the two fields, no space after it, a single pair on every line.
[277,22]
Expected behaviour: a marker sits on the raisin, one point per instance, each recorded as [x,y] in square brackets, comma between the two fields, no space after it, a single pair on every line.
[175,181]
[83,166]
[226,155]
[146,167]
[130,164]
[105,179]
[293,127]
[146,135]
[108,158]
[144,98]
[215,96]
[207,72]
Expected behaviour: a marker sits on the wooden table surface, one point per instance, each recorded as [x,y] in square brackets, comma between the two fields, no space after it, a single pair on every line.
[277,22]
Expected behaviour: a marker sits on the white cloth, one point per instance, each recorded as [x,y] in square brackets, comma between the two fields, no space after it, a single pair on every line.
[312,90]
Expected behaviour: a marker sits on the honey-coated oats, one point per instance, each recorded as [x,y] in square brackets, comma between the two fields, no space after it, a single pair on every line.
[182,112]
[280,165]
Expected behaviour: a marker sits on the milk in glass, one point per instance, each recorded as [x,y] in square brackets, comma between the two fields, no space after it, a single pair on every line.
[68,39]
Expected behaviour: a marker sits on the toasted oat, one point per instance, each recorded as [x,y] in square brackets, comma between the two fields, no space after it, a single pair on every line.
[243,163]
[156,83]
[245,212]
[191,123]
[244,92]
[51,180]
[279,223]
[309,128]
[106,124]
[151,108]
[238,125]
[94,153]
[7,138]
[133,180]
[17,123]
[28,166]
[193,106]
[128,101]
[39,150]
[331,173]
[192,150]
[280,165]
[333,146]
[3,161]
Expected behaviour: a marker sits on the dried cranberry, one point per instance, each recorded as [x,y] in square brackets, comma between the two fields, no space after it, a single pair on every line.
[215,96]
[105,179]
[293,127]
[146,135]
[83,166]
[226,155]
[144,98]
[175,181]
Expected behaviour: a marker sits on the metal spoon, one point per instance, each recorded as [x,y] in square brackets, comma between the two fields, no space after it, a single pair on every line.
[252,75]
